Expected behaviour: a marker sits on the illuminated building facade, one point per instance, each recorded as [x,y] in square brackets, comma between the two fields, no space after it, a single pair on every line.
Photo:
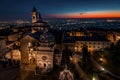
[113,36]
[66,75]
[34,15]
[37,19]
[38,49]
[78,32]
[93,43]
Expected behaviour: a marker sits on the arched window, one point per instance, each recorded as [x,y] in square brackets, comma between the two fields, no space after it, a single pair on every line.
[44,65]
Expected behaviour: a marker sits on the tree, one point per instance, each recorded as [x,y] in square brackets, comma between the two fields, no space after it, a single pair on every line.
[118,46]
[112,46]
[86,60]
[86,55]
[65,56]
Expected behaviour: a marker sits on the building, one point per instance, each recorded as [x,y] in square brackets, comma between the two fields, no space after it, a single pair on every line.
[37,48]
[10,36]
[2,46]
[78,32]
[66,75]
[37,19]
[57,57]
[113,36]
[34,15]
[93,43]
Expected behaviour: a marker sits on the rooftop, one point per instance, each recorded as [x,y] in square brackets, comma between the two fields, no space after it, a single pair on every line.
[73,39]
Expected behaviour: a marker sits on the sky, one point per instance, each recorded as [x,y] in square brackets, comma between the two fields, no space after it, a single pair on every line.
[21,9]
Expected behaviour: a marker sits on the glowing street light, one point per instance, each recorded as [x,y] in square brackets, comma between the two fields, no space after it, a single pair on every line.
[94,78]
[101,59]
[102,69]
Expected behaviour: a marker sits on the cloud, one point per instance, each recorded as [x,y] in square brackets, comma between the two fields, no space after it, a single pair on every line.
[81,13]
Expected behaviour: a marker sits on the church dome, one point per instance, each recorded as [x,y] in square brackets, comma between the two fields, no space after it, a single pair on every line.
[47,37]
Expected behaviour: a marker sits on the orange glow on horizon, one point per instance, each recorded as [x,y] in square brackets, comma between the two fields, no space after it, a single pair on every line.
[107,14]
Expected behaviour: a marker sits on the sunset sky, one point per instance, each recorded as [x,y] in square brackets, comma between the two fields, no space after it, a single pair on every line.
[96,14]
[21,9]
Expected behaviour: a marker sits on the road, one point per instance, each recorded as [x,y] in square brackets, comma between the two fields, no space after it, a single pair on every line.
[82,74]
[104,70]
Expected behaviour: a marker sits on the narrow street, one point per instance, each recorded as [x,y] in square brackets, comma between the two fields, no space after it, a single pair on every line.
[81,72]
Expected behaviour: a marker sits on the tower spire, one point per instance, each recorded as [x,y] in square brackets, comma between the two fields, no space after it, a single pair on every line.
[34,14]
[34,9]
[39,15]
[40,18]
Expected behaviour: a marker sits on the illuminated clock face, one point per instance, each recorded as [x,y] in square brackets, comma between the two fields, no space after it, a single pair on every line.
[44,58]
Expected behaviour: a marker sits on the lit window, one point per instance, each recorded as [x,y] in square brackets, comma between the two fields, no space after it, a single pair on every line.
[85,42]
[29,44]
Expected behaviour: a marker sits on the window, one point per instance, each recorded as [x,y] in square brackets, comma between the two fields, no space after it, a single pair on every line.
[94,43]
[103,43]
[89,42]
[33,17]
[85,42]
[29,44]
[50,64]
[39,64]
[44,58]
[81,43]
[44,65]
[89,46]
[98,43]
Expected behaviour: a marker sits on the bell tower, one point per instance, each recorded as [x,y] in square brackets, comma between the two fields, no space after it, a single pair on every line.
[34,15]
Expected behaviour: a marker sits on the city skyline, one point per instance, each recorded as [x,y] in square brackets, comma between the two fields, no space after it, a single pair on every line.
[14,10]
[59,40]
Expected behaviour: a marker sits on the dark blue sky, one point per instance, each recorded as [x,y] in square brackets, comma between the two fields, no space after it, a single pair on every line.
[21,9]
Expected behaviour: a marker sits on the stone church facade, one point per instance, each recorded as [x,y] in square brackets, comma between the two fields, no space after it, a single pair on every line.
[37,48]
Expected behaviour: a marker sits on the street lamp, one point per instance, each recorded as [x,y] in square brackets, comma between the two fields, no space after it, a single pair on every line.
[76,48]
[94,78]
[102,69]
[101,59]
